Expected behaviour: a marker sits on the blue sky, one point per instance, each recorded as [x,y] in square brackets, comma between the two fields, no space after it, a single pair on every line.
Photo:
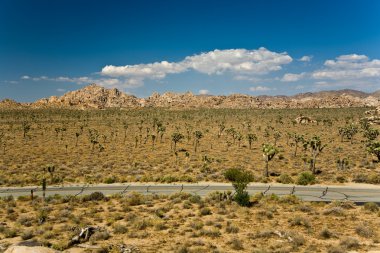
[216,47]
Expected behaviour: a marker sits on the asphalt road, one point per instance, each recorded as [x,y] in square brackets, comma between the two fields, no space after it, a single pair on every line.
[356,194]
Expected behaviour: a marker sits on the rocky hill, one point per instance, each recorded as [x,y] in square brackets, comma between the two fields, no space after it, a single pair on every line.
[97,97]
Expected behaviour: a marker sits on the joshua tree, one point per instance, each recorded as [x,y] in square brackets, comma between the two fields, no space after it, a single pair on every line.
[44,188]
[277,136]
[77,134]
[25,128]
[161,130]
[269,152]
[251,138]
[176,137]
[221,129]
[297,139]
[125,126]
[50,169]
[198,136]
[316,147]
[371,134]
[348,131]
[93,136]
[239,137]
[153,140]
[189,128]
[374,149]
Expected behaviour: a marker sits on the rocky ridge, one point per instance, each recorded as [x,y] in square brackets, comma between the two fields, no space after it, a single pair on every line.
[97,97]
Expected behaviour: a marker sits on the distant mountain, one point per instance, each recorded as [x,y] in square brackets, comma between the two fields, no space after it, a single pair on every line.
[97,97]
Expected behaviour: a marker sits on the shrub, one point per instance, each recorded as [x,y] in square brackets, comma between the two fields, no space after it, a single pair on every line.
[27,234]
[120,229]
[371,206]
[336,210]
[285,179]
[300,221]
[326,233]
[213,232]
[205,211]
[110,180]
[236,244]
[196,224]
[349,242]
[10,233]
[232,229]
[306,178]
[364,230]
[240,180]
[289,199]
[95,196]
[135,199]
[336,249]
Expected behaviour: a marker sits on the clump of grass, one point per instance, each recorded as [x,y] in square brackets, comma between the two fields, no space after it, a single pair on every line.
[300,221]
[135,199]
[349,242]
[27,234]
[326,233]
[336,211]
[231,229]
[236,244]
[364,230]
[120,228]
[212,232]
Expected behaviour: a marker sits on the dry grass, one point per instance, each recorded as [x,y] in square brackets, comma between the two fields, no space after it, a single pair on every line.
[52,140]
[164,224]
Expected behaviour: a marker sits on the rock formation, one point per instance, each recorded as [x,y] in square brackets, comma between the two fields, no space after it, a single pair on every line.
[97,97]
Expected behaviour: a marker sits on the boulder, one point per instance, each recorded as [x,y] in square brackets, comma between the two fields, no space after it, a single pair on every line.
[26,249]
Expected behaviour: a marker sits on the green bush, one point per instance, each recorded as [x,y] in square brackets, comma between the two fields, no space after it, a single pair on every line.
[240,180]
[285,179]
[306,178]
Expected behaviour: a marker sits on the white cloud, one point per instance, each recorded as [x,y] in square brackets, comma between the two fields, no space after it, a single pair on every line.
[300,87]
[204,92]
[306,58]
[106,82]
[234,61]
[25,77]
[349,67]
[61,90]
[256,62]
[289,77]
[260,88]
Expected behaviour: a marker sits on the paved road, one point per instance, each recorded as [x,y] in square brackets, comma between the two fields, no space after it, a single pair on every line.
[307,193]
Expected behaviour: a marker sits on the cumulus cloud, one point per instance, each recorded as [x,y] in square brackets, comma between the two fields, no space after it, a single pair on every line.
[204,92]
[289,77]
[106,82]
[234,61]
[237,61]
[248,64]
[349,67]
[306,58]
[259,88]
